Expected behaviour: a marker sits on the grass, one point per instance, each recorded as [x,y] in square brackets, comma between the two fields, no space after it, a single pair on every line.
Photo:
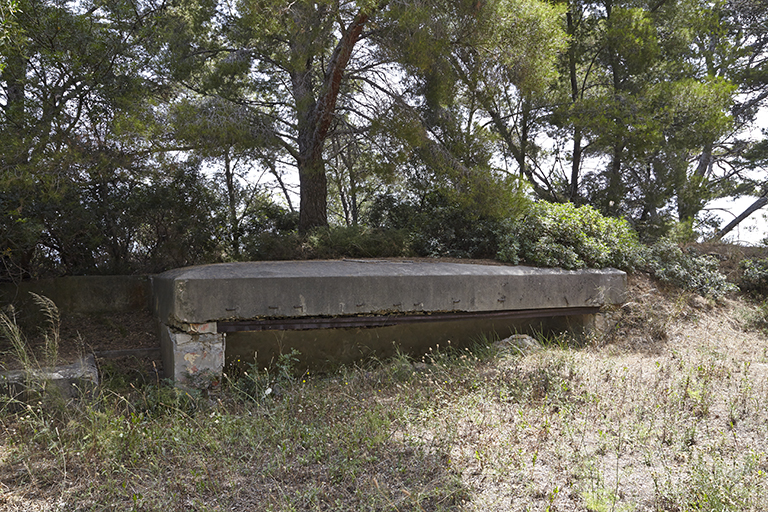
[672,420]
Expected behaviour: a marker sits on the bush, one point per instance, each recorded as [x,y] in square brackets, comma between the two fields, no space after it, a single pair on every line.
[168,224]
[271,233]
[754,276]
[437,226]
[700,273]
[356,242]
[563,235]
[570,237]
[329,242]
[272,246]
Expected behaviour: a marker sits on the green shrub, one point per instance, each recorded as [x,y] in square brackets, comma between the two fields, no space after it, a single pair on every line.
[438,225]
[754,276]
[700,273]
[329,242]
[570,237]
[356,242]
[272,246]
[563,235]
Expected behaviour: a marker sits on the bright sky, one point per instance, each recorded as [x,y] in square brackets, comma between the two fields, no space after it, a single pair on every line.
[754,229]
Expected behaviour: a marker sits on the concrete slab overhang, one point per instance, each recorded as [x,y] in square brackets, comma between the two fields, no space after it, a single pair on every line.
[202,310]
[251,290]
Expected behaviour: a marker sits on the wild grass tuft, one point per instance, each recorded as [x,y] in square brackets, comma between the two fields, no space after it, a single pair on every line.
[10,329]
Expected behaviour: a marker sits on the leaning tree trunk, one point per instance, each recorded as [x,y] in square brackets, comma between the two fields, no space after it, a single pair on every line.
[761,201]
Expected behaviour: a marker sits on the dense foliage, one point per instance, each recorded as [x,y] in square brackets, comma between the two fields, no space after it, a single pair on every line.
[143,135]
[565,236]
[688,270]
[562,235]
[754,276]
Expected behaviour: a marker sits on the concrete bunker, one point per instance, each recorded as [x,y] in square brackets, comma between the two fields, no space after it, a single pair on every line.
[342,310]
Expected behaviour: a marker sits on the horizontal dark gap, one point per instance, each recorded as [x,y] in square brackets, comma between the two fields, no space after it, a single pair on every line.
[342,322]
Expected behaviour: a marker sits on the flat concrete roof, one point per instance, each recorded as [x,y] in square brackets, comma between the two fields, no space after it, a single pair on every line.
[273,289]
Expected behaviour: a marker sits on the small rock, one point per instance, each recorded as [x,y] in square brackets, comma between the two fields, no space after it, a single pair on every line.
[520,343]
[698,302]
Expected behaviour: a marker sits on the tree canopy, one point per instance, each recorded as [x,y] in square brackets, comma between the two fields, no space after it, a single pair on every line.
[406,115]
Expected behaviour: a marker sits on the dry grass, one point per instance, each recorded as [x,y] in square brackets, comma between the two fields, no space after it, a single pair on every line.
[669,412]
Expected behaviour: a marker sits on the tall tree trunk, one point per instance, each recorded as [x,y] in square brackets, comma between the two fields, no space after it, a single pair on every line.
[690,198]
[577,149]
[313,183]
[575,165]
[234,221]
[273,170]
[518,154]
[13,77]
[615,190]
[315,116]
[353,204]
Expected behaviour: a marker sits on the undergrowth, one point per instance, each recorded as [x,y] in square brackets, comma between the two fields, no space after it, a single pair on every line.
[561,425]
[754,276]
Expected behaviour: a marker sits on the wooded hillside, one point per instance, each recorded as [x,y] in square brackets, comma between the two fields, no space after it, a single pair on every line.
[141,135]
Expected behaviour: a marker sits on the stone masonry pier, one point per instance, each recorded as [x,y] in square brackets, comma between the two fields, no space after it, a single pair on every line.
[337,311]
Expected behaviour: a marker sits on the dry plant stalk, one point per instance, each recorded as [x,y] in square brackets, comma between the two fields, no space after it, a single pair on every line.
[51,334]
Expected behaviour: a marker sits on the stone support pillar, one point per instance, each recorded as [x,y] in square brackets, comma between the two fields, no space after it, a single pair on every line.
[193,357]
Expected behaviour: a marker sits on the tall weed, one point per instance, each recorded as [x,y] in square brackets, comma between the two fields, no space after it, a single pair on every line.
[10,329]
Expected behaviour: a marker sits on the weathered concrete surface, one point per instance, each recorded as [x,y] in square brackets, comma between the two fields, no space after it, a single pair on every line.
[198,295]
[192,359]
[189,302]
[69,381]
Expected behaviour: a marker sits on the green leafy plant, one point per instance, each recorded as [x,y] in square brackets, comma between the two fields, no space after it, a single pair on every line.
[356,242]
[438,224]
[571,237]
[754,276]
[700,273]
